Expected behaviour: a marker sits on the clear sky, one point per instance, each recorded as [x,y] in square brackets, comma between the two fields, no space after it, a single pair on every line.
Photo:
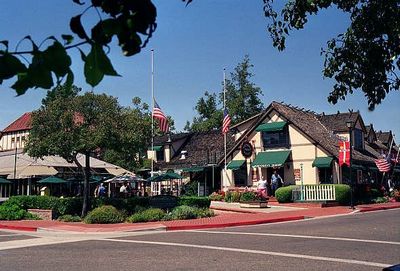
[192,46]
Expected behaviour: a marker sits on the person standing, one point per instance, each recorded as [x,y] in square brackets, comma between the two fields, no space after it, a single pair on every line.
[262,187]
[276,180]
[102,190]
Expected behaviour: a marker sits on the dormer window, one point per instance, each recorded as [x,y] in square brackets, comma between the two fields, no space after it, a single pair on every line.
[274,134]
[358,139]
[160,154]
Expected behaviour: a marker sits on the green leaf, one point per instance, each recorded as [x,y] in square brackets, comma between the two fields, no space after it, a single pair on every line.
[39,73]
[34,46]
[5,43]
[78,2]
[97,65]
[57,59]
[103,32]
[22,84]
[70,79]
[10,66]
[67,38]
[76,27]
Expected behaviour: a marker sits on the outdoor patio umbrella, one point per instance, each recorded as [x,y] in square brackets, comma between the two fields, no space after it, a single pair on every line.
[4,181]
[52,179]
[163,177]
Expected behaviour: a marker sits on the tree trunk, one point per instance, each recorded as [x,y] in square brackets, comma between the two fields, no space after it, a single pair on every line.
[86,189]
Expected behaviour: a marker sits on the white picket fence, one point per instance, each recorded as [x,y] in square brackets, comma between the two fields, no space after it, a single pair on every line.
[321,192]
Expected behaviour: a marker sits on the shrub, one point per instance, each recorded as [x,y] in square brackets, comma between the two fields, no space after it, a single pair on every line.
[235,196]
[70,218]
[342,193]
[70,206]
[201,202]
[248,196]
[228,197]
[118,203]
[151,214]
[190,189]
[284,194]
[12,212]
[184,212]
[216,197]
[205,212]
[396,194]
[380,200]
[106,214]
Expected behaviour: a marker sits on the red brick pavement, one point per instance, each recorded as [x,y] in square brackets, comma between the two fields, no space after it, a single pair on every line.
[223,219]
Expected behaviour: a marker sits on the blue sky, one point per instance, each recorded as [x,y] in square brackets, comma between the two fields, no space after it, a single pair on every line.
[192,46]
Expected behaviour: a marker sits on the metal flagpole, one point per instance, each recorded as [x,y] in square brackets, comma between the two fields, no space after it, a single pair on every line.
[152,119]
[224,117]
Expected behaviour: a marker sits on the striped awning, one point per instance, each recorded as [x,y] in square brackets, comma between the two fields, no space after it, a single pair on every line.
[235,164]
[322,162]
[271,126]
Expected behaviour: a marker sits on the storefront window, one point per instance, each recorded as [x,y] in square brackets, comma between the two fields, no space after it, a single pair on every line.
[276,139]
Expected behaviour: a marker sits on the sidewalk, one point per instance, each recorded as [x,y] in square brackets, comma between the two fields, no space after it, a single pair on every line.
[227,217]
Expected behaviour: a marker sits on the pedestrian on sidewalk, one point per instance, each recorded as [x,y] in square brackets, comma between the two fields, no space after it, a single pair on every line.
[276,180]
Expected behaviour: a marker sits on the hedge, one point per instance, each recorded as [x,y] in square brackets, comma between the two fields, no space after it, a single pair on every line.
[14,212]
[105,214]
[200,202]
[284,194]
[73,205]
[151,214]
[342,193]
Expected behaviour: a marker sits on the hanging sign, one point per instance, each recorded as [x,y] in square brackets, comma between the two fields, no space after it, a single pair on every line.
[344,153]
[247,149]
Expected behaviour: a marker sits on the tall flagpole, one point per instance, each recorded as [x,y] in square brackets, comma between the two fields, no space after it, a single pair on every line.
[152,108]
[224,113]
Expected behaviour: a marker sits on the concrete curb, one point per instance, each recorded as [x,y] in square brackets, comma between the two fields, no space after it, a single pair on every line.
[234,210]
[378,208]
[234,224]
[18,228]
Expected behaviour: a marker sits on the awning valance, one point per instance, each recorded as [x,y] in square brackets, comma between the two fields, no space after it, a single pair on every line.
[322,162]
[270,159]
[271,127]
[193,169]
[156,148]
[4,181]
[235,164]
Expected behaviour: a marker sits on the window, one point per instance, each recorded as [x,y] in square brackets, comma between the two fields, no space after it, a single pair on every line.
[160,155]
[358,139]
[276,139]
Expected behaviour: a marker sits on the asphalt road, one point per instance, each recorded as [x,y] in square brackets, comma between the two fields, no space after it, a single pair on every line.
[363,241]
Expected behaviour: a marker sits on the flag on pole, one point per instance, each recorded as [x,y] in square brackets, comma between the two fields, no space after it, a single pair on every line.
[344,153]
[226,122]
[162,119]
[383,165]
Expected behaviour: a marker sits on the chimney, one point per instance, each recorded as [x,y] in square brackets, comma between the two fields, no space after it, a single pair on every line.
[183,155]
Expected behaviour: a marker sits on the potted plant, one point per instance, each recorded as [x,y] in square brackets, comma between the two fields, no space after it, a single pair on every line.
[250,199]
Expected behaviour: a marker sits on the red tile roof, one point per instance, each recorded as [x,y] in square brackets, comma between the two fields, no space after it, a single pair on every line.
[21,124]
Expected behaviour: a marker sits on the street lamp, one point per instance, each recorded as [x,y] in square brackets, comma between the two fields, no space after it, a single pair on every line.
[349,125]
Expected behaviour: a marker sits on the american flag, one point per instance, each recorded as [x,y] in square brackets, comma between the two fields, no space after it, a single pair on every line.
[162,119]
[226,122]
[383,165]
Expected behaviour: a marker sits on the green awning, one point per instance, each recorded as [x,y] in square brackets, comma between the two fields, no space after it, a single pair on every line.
[322,162]
[156,148]
[270,159]
[4,181]
[164,177]
[235,164]
[193,169]
[271,127]
[52,179]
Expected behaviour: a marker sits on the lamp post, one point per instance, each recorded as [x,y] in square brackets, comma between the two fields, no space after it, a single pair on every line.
[349,125]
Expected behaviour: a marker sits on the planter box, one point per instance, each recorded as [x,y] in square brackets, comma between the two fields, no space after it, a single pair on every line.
[43,214]
[254,204]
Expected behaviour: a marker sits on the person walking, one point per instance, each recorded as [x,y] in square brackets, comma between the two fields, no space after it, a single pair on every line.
[276,180]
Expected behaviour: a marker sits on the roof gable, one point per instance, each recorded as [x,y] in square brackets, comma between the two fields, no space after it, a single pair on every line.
[23,123]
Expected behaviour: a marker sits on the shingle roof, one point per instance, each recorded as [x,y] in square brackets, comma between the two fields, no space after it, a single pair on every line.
[337,122]
[384,137]
[161,140]
[309,123]
[21,124]
[202,148]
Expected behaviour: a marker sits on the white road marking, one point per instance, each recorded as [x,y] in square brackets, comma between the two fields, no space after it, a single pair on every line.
[280,254]
[10,234]
[37,242]
[298,236]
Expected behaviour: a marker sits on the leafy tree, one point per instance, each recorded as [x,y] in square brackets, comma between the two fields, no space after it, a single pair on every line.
[209,116]
[242,101]
[128,21]
[366,57]
[242,96]
[73,124]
